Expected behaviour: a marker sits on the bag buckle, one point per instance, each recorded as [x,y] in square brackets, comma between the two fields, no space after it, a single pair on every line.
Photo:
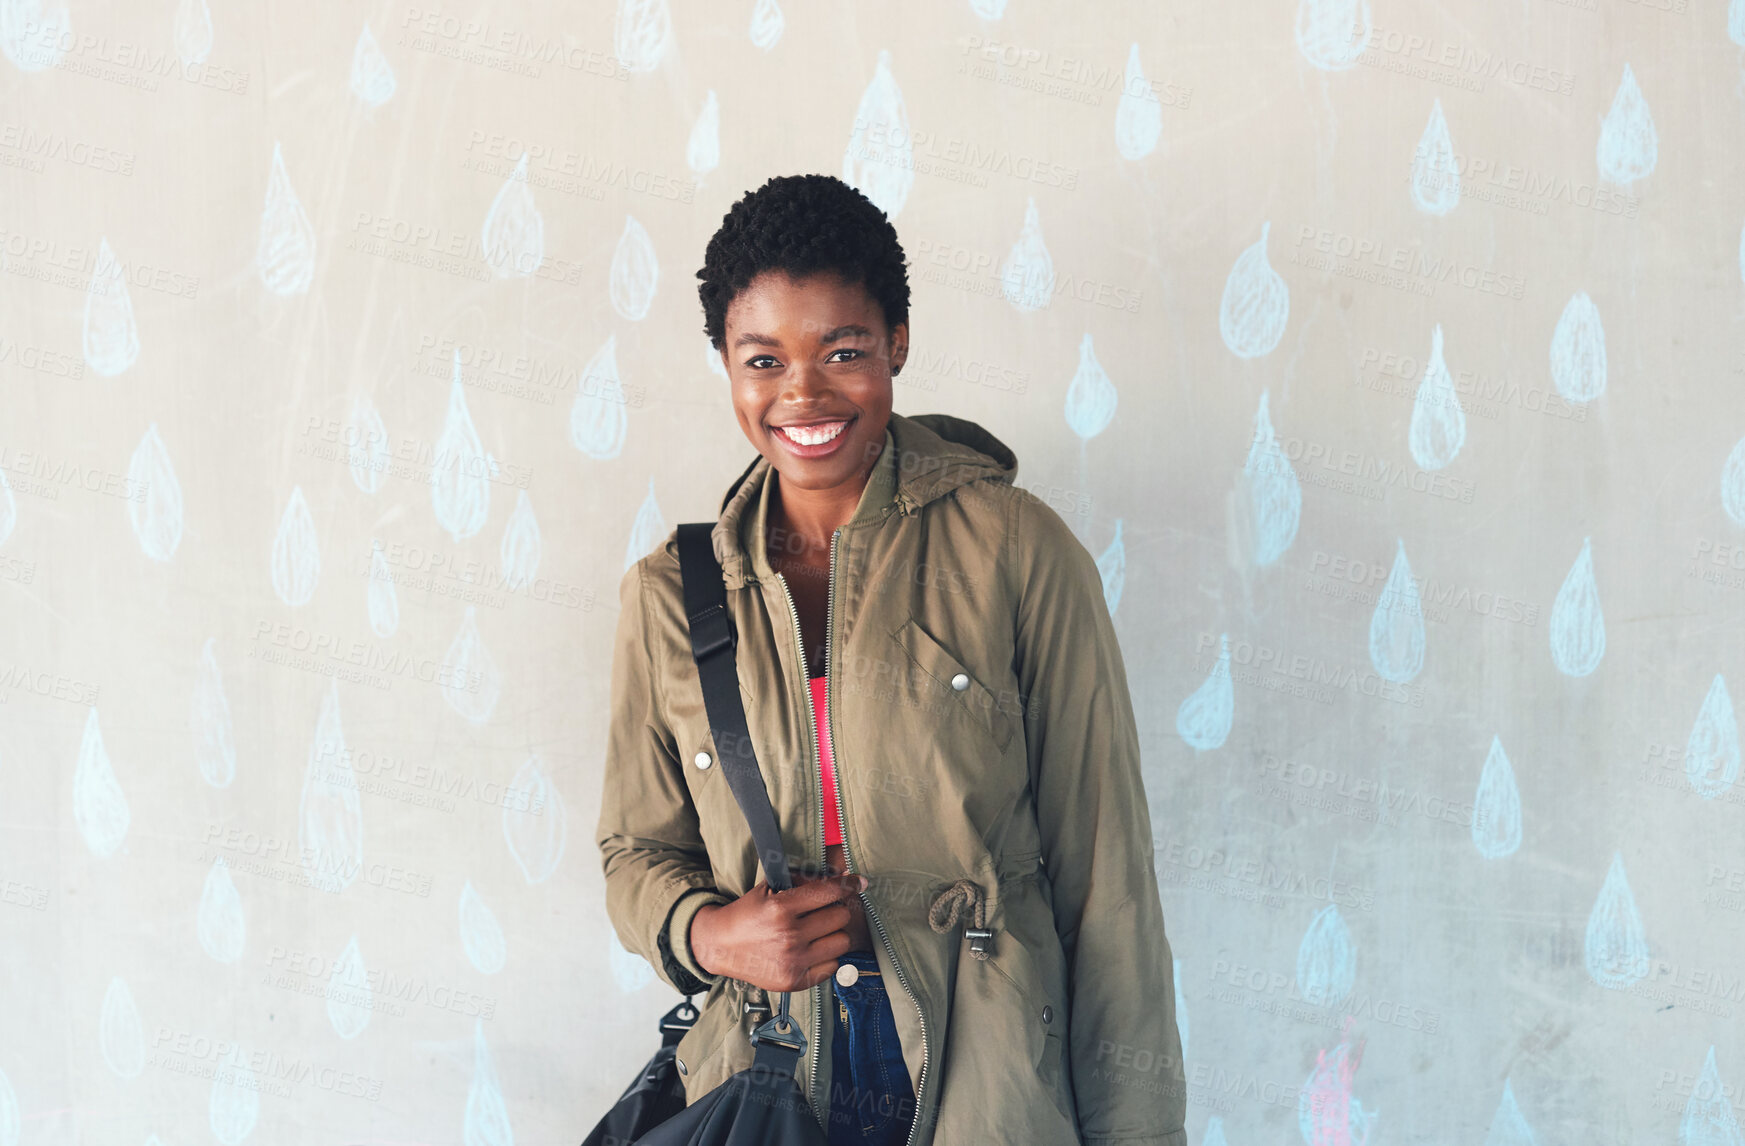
[710,631]
[978,939]
[782,1029]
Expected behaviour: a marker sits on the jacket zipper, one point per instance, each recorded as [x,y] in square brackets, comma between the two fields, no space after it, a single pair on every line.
[847,855]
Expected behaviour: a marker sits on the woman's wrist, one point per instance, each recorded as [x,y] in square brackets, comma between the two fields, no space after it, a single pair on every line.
[701,949]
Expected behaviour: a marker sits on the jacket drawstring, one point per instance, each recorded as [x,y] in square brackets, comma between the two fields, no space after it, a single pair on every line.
[949,904]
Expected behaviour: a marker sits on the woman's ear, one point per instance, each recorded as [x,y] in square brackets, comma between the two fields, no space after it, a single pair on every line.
[899,347]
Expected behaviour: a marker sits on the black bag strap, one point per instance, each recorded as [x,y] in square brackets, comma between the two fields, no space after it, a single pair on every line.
[713,645]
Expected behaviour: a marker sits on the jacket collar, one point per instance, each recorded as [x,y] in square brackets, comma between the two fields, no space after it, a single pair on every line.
[924,457]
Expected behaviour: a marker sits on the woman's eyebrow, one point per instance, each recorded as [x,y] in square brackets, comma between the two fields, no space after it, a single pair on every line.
[851,330]
[753,339]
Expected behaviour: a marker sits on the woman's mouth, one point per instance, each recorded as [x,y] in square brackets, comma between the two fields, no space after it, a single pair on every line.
[812,439]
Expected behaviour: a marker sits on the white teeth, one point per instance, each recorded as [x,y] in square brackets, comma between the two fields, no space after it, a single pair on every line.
[813,435]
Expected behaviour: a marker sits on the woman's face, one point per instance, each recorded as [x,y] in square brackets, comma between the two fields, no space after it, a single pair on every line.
[810,361]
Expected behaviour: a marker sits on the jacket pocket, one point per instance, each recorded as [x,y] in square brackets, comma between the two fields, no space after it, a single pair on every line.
[942,673]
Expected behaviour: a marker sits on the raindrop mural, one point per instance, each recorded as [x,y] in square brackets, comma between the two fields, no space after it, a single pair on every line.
[1435,177]
[193,32]
[285,254]
[1578,629]
[1711,753]
[703,153]
[534,822]
[1629,146]
[221,923]
[513,237]
[487,1115]
[372,77]
[155,509]
[1578,351]
[296,560]
[214,737]
[1112,567]
[879,160]
[384,601]
[348,993]
[1496,808]
[1275,500]
[1256,303]
[647,531]
[471,681]
[1617,947]
[1027,278]
[1326,959]
[111,336]
[99,807]
[1438,427]
[640,37]
[480,934]
[767,24]
[598,420]
[1396,628]
[1204,718]
[461,470]
[635,272]
[521,547]
[1138,114]
[1709,1119]
[1091,397]
[330,817]
[1332,34]
[121,1033]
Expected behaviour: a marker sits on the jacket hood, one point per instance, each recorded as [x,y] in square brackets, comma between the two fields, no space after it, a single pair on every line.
[930,454]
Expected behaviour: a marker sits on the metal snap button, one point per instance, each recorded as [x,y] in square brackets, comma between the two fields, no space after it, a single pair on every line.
[681,1063]
[1047,1014]
[704,760]
[960,682]
[847,975]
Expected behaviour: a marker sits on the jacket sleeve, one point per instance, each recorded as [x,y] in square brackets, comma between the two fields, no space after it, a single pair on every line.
[657,870]
[1095,824]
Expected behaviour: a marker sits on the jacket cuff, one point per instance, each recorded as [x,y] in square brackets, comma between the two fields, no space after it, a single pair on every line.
[1174,1138]
[675,940]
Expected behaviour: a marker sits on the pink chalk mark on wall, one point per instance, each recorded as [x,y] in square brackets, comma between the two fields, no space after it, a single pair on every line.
[1327,1114]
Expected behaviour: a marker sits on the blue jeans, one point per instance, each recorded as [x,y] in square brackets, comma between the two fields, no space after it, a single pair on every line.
[872,1100]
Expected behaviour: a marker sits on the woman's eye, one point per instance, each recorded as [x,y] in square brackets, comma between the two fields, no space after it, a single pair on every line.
[761,362]
[845,350]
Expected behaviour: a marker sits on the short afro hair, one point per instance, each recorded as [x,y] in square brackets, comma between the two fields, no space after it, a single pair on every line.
[803,224]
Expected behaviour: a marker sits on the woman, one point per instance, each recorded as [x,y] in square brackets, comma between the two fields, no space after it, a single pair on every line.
[941,715]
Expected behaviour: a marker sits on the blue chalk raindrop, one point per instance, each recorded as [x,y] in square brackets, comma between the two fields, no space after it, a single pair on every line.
[1396,628]
[1204,718]
[1578,627]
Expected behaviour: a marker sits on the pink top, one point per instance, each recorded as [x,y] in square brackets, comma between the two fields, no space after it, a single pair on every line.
[826,764]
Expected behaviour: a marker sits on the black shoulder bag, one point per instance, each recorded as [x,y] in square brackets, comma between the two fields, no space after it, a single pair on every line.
[763,1104]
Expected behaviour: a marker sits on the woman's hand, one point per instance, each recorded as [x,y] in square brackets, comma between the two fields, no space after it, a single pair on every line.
[781,940]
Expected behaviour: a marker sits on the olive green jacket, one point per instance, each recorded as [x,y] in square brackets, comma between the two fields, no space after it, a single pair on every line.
[987,760]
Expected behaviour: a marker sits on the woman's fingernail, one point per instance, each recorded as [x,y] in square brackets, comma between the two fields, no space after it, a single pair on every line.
[863,882]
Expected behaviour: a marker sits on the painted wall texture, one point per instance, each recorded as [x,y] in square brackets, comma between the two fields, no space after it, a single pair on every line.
[1388,356]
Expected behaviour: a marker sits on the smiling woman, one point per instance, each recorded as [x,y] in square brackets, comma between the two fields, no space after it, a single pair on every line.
[952,759]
